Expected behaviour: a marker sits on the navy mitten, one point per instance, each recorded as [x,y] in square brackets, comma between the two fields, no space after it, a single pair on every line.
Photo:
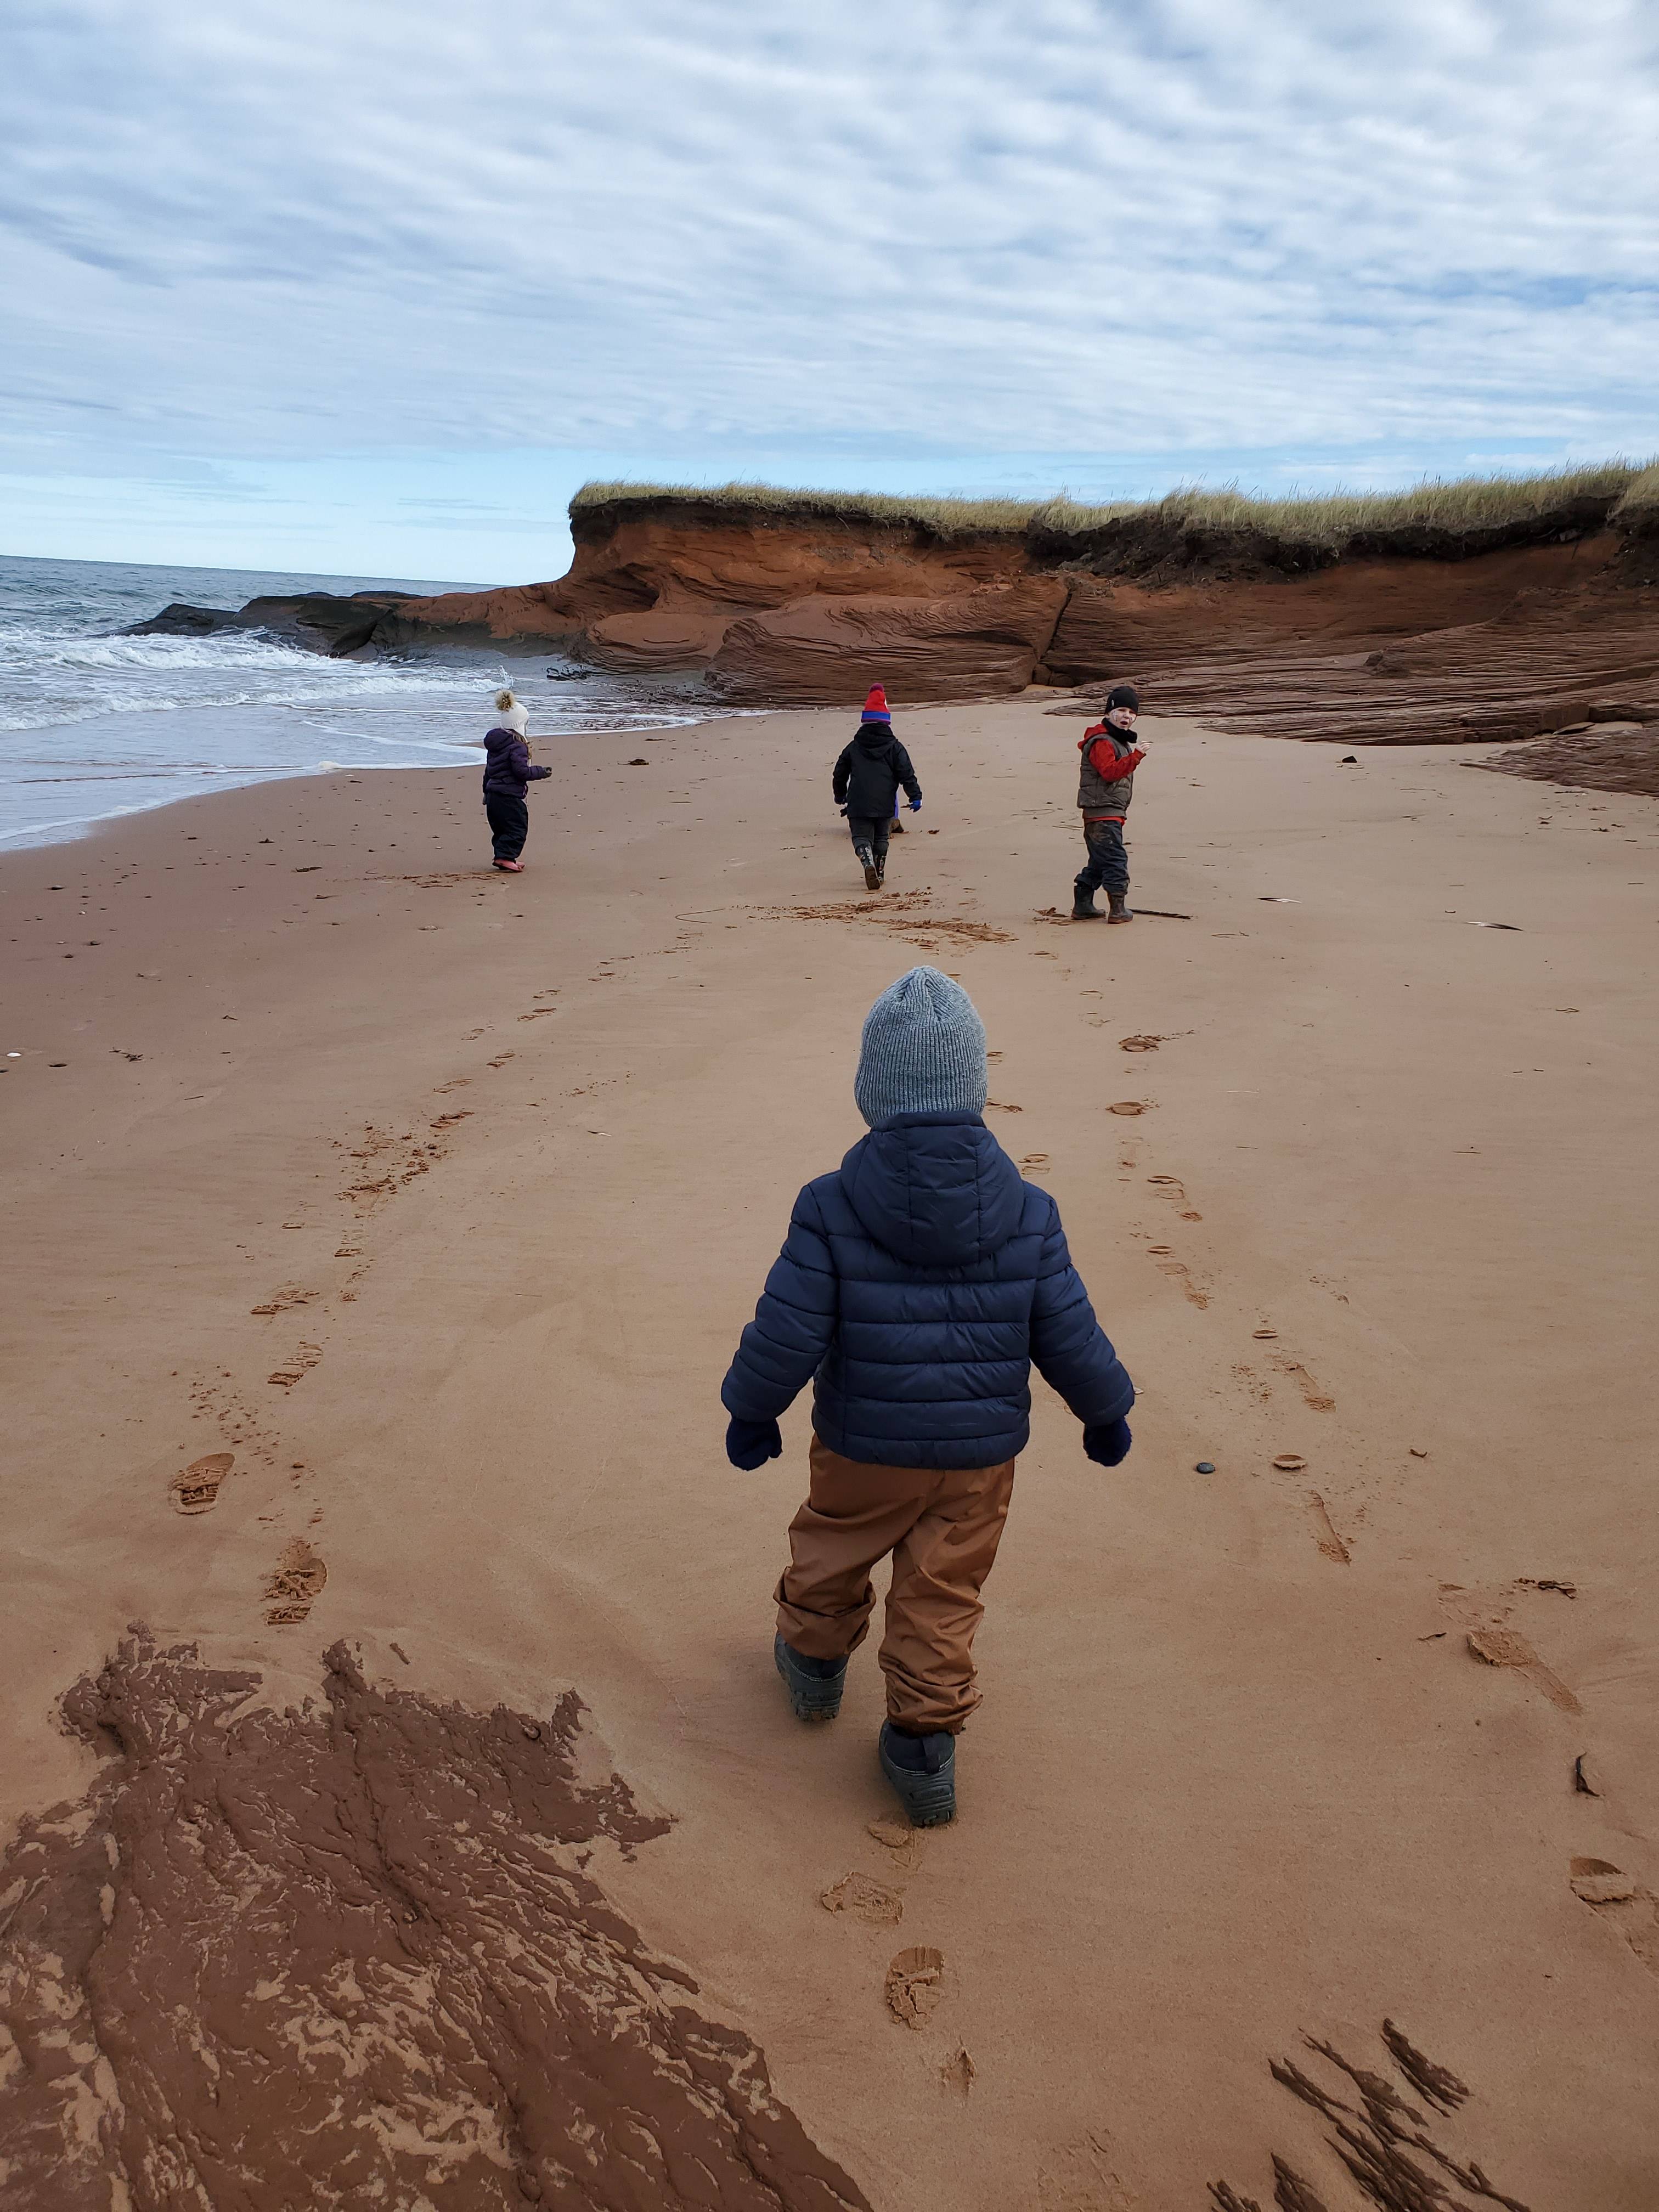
[749,1444]
[1107,1444]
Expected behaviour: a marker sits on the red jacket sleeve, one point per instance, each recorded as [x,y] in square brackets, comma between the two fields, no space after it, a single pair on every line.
[1112,769]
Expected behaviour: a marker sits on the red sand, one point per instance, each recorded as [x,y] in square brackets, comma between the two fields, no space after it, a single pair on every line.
[436,1200]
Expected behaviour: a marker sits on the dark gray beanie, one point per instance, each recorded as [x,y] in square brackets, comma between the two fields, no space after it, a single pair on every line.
[923,1051]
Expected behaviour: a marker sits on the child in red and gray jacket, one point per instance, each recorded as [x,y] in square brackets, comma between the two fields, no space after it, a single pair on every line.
[1105,787]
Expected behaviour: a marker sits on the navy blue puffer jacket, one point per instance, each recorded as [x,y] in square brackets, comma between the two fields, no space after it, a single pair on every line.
[917,1285]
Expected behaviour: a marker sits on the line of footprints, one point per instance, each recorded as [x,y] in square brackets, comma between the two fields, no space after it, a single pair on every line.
[379,1163]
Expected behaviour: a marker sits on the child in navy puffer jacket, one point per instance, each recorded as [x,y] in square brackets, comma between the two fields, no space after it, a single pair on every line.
[918,1284]
[509,773]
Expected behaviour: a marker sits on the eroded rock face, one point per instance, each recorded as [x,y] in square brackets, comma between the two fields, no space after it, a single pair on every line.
[1546,660]
[655,588]
[349,1956]
[1597,757]
[975,644]
[1109,624]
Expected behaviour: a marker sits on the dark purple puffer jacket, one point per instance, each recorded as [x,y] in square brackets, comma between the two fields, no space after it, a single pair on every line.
[508,765]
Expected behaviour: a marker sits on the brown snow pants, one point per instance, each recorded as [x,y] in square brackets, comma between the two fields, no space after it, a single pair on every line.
[942,1527]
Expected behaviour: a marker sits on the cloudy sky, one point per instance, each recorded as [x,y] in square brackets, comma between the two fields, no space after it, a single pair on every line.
[369,286]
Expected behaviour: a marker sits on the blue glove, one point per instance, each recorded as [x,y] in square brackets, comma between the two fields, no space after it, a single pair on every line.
[1108,1443]
[915,806]
[749,1444]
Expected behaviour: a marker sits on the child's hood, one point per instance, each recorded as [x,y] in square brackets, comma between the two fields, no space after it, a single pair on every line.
[935,1193]
[1122,741]
[873,737]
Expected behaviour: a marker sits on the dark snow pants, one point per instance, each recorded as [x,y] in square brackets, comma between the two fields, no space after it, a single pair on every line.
[509,824]
[1108,863]
[870,839]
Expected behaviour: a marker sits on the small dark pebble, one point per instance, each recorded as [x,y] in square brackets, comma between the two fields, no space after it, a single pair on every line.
[1205,1467]
[1350,760]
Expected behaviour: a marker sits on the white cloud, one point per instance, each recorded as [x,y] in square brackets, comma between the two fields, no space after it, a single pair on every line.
[1105,227]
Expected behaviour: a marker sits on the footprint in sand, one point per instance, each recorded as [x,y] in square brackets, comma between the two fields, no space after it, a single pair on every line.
[294,1371]
[282,1301]
[901,1839]
[1619,1898]
[197,1488]
[862,1899]
[1325,1533]
[296,1585]
[1083,2177]
[1164,1259]
[1170,1186]
[959,2071]
[1320,1400]
[915,1983]
[1503,1647]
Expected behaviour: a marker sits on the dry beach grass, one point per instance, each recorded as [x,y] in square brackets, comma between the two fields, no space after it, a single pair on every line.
[1325,520]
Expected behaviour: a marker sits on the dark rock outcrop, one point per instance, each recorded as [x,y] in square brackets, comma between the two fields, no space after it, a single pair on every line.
[322,621]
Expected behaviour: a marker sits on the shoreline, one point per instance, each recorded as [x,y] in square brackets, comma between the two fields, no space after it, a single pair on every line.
[491,1170]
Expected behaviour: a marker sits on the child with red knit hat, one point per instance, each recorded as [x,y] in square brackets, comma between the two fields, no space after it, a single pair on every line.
[868,779]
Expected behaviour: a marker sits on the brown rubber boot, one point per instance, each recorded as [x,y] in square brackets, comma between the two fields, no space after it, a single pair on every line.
[1119,902]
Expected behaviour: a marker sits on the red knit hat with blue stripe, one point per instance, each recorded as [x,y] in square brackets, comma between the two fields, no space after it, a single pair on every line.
[875,707]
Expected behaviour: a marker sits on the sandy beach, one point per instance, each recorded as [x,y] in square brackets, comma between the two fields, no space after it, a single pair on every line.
[437,1201]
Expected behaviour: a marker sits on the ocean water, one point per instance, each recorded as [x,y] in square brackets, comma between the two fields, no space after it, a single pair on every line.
[94,723]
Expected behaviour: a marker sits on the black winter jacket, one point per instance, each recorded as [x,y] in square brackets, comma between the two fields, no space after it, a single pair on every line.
[916,1286]
[507,765]
[869,773]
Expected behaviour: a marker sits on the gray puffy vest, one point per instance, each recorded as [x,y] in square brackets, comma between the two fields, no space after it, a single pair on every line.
[1095,795]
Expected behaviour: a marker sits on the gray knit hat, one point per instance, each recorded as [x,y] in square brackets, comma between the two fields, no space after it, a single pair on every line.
[923,1051]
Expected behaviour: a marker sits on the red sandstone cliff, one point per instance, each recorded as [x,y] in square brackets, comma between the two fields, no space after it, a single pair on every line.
[1420,636]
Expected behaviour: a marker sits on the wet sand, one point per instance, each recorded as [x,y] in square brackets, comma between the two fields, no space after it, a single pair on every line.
[437,1200]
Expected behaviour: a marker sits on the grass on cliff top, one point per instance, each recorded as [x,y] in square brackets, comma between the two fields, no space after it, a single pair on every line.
[1642,492]
[1464,503]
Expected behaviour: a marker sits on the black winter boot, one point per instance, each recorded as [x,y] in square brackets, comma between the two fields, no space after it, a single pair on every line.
[1083,904]
[923,1769]
[814,1684]
[1119,902]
